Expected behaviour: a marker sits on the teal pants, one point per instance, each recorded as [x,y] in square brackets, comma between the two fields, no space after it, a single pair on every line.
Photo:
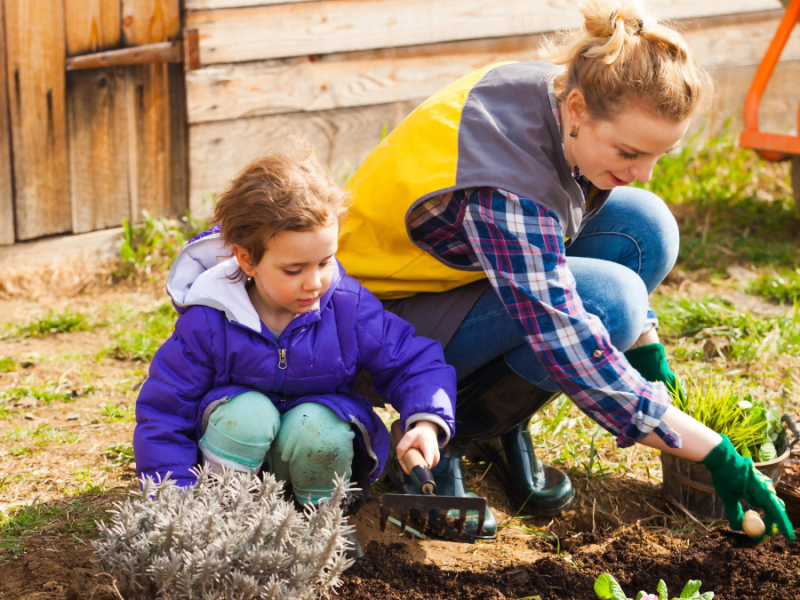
[304,447]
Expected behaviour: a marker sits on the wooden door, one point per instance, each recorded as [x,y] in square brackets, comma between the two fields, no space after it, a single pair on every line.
[91,147]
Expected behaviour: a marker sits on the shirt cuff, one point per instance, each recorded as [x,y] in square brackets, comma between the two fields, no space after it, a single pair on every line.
[444,437]
[648,418]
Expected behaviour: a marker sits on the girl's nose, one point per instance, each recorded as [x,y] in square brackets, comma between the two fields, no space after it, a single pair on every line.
[314,282]
[644,171]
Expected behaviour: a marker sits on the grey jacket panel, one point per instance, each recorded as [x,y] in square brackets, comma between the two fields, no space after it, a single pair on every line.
[509,139]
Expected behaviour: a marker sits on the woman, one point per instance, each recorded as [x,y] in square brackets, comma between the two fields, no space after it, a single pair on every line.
[495,218]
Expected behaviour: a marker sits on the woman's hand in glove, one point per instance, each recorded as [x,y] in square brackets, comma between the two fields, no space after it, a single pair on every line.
[735,478]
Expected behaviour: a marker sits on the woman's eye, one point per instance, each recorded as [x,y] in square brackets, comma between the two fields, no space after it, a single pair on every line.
[291,272]
[627,156]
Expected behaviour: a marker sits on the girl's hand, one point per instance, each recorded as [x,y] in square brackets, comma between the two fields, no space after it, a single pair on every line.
[424,436]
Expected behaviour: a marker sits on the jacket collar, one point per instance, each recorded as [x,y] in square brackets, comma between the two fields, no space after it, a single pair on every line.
[202,276]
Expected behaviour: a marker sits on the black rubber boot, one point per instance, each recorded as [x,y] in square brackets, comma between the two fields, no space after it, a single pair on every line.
[493,413]
[354,550]
[449,477]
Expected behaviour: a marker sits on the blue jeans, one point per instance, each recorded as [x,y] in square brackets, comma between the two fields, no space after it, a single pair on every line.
[619,258]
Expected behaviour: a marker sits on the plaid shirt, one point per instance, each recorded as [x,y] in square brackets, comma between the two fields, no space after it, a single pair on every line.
[520,245]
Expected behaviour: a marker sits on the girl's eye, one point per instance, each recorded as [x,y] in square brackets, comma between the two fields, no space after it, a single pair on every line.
[627,156]
[325,264]
[291,272]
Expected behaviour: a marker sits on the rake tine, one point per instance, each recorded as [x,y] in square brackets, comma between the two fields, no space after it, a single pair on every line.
[424,519]
[385,512]
[461,522]
[404,521]
[481,519]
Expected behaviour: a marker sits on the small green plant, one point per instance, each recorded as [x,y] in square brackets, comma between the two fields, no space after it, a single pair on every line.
[140,341]
[52,323]
[149,246]
[89,485]
[120,453]
[43,434]
[754,430]
[7,364]
[607,587]
[117,412]
[780,287]
[45,394]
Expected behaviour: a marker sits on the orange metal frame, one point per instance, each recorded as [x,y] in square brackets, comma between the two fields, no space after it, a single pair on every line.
[771,146]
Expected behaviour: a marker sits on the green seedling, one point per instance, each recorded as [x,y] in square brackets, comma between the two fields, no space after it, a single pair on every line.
[121,453]
[782,287]
[52,323]
[607,587]
[140,341]
[7,364]
[117,412]
[43,434]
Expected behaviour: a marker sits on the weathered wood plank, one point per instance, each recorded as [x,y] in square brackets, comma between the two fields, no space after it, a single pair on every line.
[156,140]
[217,4]
[6,177]
[92,25]
[96,119]
[284,30]
[376,77]
[342,138]
[150,21]
[36,47]
[98,131]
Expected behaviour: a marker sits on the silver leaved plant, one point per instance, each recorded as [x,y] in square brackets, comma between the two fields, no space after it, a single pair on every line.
[229,537]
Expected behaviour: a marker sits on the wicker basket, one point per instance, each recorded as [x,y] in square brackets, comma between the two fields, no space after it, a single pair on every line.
[790,494]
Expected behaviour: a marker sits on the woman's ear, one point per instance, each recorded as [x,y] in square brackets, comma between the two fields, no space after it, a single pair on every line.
[243,258]
[577,112]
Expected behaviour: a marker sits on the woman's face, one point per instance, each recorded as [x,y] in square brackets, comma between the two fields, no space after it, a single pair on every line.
[617,152]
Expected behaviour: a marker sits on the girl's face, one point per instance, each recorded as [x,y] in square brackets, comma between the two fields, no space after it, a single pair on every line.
[617,152]
[296,270]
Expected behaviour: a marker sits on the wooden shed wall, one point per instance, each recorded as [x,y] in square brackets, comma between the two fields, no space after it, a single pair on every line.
[83,150]
[343,72]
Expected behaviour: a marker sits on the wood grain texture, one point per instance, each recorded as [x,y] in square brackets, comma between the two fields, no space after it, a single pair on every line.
[217,4]
[308,28]
[92,25]
[98,129]
[156,140]
[6,170]
[36,47]
[150,21]
[342,138]
[156,117]
[235,91]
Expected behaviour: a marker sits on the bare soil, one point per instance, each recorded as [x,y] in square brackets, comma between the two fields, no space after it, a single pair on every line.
[619,524]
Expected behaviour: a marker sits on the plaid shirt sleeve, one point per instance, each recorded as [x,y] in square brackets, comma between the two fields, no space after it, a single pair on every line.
[520,245]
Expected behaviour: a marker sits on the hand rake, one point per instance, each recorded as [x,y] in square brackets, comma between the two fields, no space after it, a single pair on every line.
[427,510]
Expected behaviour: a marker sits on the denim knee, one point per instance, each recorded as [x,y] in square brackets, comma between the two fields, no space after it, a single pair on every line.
[312,445]
[242,430]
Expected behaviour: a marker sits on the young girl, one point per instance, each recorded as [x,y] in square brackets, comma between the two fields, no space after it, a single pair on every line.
[260,369]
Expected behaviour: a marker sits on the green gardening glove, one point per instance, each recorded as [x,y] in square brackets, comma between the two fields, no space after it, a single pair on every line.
[651,362]
[734,478]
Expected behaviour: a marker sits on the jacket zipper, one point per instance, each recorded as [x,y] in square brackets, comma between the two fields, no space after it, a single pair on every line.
[282,352]
[281,358]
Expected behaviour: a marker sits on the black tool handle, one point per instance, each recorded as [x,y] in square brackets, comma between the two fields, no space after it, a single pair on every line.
[792,425]
[415,463]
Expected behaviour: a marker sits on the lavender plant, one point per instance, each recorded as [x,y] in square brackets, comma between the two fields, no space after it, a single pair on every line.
[229,537]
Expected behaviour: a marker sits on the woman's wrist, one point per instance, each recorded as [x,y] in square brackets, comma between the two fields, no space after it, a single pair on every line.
[698,440]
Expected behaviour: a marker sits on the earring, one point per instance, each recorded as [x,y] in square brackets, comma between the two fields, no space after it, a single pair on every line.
[573,133]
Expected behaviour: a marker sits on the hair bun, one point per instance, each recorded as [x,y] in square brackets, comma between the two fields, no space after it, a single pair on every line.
[612,18]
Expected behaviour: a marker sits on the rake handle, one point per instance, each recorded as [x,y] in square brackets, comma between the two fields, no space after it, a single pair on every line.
[415,463]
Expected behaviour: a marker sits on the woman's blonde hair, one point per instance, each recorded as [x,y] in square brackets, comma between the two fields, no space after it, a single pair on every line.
[283,191]
[621,58]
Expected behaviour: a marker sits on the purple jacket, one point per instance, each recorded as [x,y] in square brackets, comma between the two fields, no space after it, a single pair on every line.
[221,348]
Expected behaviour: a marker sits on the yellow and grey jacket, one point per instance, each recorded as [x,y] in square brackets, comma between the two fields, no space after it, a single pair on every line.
[492,128]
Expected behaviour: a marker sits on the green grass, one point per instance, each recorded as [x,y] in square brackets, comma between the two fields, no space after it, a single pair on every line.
[117,412]
[51,323]
[7,364]
[151,246]
[139,340]
[781,287]
[749,334]
[120,453]
[732,207]
[43,435]
[43,394]
[75,518]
